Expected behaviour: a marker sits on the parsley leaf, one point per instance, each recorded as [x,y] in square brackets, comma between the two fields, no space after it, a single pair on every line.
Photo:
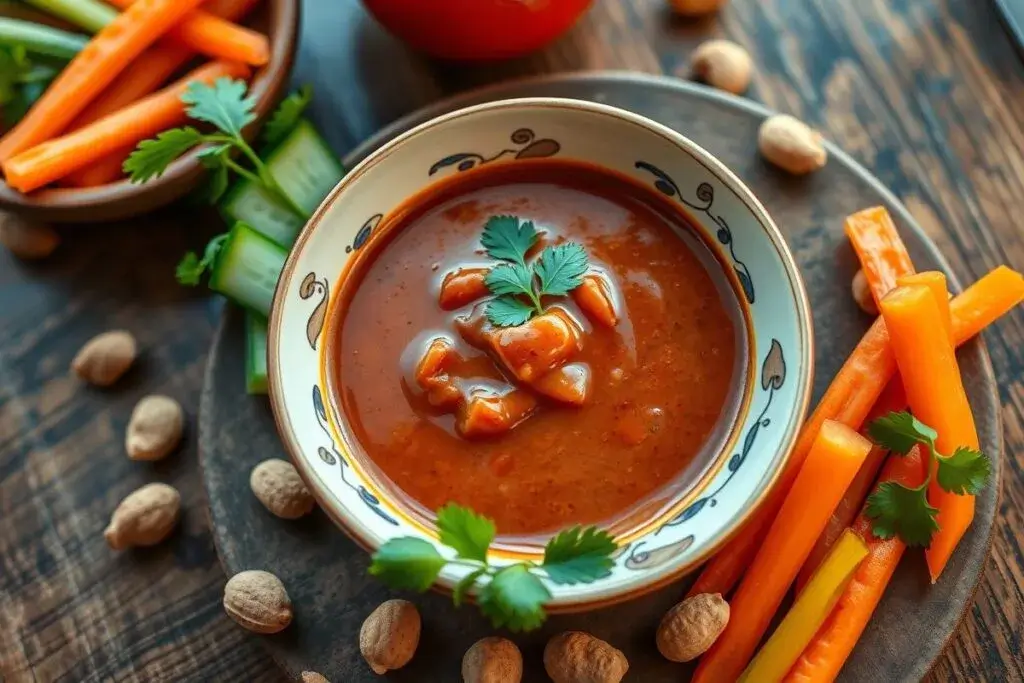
[579,556]
[896,510]
[467,583]
[514,598]
[152,157]
[509,278]
[901,431]
[224,104]
[286,116]
[191,268]
[561,269]
[468,533]
[966,471]
[411,563]
[508,311]
[506,238]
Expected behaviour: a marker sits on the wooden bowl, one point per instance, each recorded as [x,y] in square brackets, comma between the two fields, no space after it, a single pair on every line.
[280,20]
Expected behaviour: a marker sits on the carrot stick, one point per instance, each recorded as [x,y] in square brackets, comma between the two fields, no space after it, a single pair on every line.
[147,117]
[831,464]
[848,399]
[882,254]
[825,655]
[95,67]
[103,171]
[936,282]
[936,395]
[215,37]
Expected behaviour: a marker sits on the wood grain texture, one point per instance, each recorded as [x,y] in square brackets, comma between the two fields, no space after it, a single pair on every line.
[927,94]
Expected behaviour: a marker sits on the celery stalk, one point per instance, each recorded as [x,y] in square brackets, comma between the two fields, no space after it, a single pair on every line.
[90,15]
[40,39]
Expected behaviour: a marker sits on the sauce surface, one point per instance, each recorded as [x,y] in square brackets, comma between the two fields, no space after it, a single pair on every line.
[660,379]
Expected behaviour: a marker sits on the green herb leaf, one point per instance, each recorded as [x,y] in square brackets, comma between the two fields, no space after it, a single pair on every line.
[901,431]
[561,269]
[508,311]
[966,471]
[579,555]
[467,583]
[286,116]
[214,159]
[152,157]
[514,598]
[191,268]
[224,104]
[468,533]
[509,278]
[411,563]
[506,238]
[896,510]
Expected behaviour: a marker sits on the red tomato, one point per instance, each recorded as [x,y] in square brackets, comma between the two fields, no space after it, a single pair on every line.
[477,29]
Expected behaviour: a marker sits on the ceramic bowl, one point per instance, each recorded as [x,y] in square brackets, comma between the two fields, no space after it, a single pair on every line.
[677,531]
[279,19]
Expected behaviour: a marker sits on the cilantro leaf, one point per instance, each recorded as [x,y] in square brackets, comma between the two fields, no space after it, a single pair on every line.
[286,116]
[561,268]
[468,533]
[223,104]
[579,555]
[506,238]
[508,311]
[896,510]
[966,471]
[406,562]
[514,598]
[214,159]
[509,278]
[191,268]
[901,431]
[152,157]
[467,583]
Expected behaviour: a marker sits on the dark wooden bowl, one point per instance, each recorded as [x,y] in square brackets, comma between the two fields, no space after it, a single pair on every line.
[280,20]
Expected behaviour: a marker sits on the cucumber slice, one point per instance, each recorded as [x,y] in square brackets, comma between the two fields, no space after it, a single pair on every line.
[255,353]
[305,168]
[247,268]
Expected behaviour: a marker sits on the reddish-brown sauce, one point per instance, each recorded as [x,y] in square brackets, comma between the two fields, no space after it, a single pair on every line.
[659,380]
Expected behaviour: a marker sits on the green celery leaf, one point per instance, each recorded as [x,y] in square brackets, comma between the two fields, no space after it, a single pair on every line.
[509,278]
[224,104]
[579,555]
[286,116]
[406,562]
[561,268]
[463,587]
[468,533]
[508,311]
[966,471]
[506,238]
[514,598]
[152,157]
[896,510]
[900,431]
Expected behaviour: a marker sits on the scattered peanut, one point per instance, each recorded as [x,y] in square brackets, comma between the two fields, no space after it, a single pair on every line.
[691,627]
[722,64]
[154,429]
[105,357]
[313,677]
[791,144]
[696,8]
[27,240]
[578,657]
[862,293]
[279,487]
[144,518]
[492,660]
[389,636]
[257,601]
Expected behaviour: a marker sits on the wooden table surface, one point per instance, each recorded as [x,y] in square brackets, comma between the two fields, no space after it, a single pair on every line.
[927,94]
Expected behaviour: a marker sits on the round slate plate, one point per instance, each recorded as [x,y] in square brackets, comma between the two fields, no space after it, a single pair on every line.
[326,573]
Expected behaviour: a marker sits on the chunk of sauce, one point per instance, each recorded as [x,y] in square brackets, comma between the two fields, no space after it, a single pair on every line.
[660,378]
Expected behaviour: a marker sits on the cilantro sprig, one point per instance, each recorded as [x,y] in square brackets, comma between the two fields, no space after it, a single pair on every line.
[904,511]
[512,596]
[519,285]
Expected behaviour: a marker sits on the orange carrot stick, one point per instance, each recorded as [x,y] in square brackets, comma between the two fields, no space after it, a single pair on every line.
[56,158]
[882,254]
[935,391]
[92,70]
[848,399]
[834,458]
[215,37]
[936,282]
[825,655]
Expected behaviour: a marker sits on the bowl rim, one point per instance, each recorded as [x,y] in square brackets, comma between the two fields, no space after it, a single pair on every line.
[656,578]
[59,204]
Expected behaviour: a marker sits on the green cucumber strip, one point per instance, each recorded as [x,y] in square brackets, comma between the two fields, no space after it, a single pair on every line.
[255,354]
[90,15]
[306,169]
[40,39]
[247,268]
